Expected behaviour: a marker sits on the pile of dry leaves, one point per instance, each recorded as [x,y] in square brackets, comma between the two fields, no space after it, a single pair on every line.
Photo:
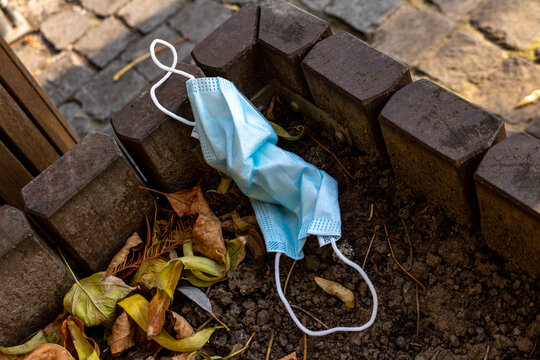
[186,243]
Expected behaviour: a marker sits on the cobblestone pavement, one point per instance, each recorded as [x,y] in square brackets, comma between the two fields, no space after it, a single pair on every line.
[485,50]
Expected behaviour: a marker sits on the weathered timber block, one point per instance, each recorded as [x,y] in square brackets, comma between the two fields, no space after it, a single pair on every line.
[435,141]
[508,187]
[90,200]
[232,52]
[286,34]
[34,279]
[352,81]
[161,146]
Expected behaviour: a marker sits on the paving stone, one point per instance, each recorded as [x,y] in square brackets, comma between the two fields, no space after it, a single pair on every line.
[64,76]
[286,35]
[462,59]
[147,67]
[231,52]
[34,279]
[511,23]
[352,81]
[507,183]
[90,201]
[76,118]
[102,96]
[410,34]
[146,15]
[506,86]
[104,42]
[534,127]
[435,140]
[55,28]
[199,19]
[37,11]
[33,55]
[162,146]
[362,15]
[103,7]
[455,9]
[316,5]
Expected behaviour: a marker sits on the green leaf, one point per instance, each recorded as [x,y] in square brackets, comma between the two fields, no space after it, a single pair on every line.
[203,264]
[282,133]
[93,299]
[137,308]
[236,251]
[195,281]
[29,346]
[169,275]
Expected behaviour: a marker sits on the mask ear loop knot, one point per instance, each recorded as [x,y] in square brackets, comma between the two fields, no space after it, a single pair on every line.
[170,70]
[339,328]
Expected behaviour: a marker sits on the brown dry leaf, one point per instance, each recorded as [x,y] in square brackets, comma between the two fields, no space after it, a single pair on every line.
[49,351]
[54,329]
[156,313]
[336,289]
[131,243]
[76,342]
[207,236]
[244,227]
[181,356]
[123,334]
[182,328]
[291,356]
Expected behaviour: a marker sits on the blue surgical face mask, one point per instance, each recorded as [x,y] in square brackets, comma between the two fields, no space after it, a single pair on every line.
[291,198]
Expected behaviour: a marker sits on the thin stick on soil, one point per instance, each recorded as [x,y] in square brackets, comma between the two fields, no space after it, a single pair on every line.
[369,248]
[534,348]
[397,262]
[331,153]
[270,343]
[204,324]
[310,315]
[410,245]
[417,316]
[487,352]
[288,277]
[305,338]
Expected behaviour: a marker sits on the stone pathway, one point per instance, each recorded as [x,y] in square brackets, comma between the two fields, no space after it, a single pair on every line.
[487,51]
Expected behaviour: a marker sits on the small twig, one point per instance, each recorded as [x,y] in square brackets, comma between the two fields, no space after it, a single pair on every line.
[310,315]
[434,356]
[369,248]
[410,245]
[487,352]
[417,316]
[305,338]
[331,153]
[270,343]
[397,262]
[534,348]
[425,209]
[288,277]
[204,324]
[126,68]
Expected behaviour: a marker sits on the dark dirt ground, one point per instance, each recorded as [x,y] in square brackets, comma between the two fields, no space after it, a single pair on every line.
[477,305]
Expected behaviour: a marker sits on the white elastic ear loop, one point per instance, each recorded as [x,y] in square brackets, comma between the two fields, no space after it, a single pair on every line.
[336,329]
[170,69]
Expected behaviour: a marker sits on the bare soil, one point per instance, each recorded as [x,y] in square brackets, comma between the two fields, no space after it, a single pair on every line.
[477,305]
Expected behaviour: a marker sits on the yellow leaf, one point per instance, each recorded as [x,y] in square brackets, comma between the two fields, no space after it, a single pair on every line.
[147,273]
[203,264]
[282,133]
[529,99]
[169,275]
[137,308]
[336,289]
[84,349]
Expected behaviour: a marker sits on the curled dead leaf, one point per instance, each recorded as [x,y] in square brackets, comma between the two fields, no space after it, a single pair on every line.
[291,356]
[336,289]
[156,313]
[245,226]
[146,276]
[181,326]
[49,351]
[122,334]
[76,342]
[133,242]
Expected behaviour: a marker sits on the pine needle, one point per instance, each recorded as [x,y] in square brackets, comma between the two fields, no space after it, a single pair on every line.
[310,315]
[288,277]
[305,338]
[417,316]
[331,153]
[270,343]
[126,68]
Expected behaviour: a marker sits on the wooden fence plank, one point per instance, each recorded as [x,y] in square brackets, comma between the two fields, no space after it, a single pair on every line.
[19,129]
[13,177]
[26,91]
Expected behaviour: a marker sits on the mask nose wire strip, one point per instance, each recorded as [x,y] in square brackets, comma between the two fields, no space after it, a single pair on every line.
[170,70]
[336,329]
